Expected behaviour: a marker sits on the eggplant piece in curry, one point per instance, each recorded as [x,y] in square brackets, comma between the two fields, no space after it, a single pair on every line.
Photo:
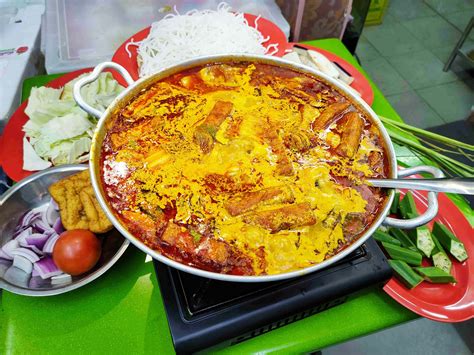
[243,168]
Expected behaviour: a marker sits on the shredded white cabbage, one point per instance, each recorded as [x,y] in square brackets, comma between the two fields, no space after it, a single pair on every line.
[177,38]
[58,131]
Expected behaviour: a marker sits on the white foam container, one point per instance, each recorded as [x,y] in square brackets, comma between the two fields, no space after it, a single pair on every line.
[81,34]
[19,52]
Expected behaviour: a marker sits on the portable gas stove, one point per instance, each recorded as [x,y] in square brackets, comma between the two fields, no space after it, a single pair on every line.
[204,313]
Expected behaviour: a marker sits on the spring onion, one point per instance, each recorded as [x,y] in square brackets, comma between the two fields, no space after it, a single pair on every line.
[399,133]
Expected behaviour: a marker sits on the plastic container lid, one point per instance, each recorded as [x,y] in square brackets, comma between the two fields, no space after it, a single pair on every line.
[81,34]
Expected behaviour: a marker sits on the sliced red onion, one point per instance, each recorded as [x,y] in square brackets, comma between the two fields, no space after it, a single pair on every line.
[61,279]
[54,204]
[34,273]
[41,226]
[27,253]
[9,246]
[18,230]
[51,214]
[33,248]
[23,263]
[4,255]
[21,237]
[29,217]
[49,245]
[58,226]
[46,268]
[37,240]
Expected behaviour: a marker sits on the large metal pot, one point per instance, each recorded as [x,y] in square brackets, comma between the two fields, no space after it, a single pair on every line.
[136,87]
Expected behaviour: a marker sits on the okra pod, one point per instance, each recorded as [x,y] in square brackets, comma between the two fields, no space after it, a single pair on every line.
[395,203]
[450,241]
[439,256]
[435,275]
[403,238]
[405,273]
[407,205]
[421,236]
[399,253]
[385,237]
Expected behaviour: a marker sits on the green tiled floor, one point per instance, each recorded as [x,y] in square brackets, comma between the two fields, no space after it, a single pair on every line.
[451,101]
[405,56]
[421,69]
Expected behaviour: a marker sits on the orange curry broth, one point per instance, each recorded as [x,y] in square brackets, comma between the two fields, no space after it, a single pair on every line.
[243,168]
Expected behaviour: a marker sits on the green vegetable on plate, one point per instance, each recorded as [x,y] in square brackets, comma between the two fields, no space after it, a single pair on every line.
[405,273]
[399,253]
[407,205]
[439,256]
[395,203]
[385,237]
[58,130]
[450,241]
[421,236]
[435,275]
[404,239]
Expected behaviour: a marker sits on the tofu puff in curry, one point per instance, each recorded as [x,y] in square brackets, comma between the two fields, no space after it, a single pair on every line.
[247,169]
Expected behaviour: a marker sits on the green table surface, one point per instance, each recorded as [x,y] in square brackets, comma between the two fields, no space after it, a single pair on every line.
[123,312]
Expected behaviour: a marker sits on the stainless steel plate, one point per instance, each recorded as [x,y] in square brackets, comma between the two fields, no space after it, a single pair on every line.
[33,192]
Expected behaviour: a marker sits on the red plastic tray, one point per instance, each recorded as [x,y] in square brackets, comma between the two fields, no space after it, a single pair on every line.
[443,302]
[12,151]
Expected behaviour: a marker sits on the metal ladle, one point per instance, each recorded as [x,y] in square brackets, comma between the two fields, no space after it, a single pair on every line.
[463,186]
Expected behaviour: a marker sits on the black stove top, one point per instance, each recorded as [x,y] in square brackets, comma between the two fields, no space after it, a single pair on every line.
[204,313]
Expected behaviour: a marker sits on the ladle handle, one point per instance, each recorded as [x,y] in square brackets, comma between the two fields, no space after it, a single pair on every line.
[432,202]
[90,78]
[463,186]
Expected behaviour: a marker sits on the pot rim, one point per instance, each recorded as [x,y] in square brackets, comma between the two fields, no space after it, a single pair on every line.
[143,83]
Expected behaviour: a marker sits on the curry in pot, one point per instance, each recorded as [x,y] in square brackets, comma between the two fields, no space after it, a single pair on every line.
[243,168]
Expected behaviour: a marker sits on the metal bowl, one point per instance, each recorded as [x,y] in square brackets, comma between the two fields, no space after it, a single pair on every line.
[134,88]
[33,192]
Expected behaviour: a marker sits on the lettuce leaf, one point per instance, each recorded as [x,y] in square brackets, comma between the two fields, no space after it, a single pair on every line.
[59,131]
[31,160]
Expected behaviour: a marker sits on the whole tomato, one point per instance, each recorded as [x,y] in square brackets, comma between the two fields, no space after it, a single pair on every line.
[76,251]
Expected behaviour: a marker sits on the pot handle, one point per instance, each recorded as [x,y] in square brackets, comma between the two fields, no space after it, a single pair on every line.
[432,209]
[93,76]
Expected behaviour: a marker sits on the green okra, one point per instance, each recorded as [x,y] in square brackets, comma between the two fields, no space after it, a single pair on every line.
[435,275]
[385,237]
[407,205]
[395,203]
[405,273]
[403,238]
[399,253]
[421,236]
[439,256]
[449,241]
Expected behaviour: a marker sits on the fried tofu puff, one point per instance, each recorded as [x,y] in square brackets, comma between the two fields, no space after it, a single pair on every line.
[78,206]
